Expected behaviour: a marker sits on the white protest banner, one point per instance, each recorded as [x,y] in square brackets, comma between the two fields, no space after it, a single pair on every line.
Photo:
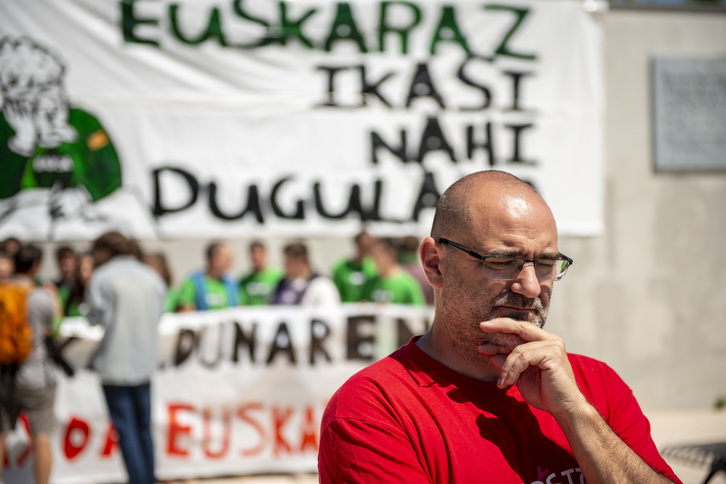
[238,391]
[220,117]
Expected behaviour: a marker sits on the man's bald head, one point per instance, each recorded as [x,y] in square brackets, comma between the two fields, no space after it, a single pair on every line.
[453,210]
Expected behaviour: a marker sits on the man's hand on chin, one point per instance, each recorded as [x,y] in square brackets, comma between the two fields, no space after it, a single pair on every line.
[533,360]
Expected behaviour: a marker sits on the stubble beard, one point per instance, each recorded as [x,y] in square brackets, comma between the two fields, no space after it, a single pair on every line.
[508,340]
[467,336]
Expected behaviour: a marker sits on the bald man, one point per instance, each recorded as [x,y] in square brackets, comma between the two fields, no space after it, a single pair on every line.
[487,395]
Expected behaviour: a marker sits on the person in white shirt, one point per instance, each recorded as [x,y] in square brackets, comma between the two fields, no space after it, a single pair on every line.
[301,284]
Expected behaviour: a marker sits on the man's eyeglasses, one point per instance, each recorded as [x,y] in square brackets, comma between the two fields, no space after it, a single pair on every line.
[506,268]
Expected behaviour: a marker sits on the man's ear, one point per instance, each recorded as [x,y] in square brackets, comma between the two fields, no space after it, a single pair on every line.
[431,262]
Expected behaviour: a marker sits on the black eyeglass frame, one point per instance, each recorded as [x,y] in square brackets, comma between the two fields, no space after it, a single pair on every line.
[483,258]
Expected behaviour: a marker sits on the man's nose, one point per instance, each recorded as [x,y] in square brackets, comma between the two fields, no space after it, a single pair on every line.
[526,282]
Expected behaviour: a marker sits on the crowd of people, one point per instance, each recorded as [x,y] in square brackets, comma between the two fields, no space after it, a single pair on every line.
[119,286]
[381,270]
[111,287]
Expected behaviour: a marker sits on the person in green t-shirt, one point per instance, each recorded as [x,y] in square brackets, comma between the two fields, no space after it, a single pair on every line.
[256,286]
[393,284]
[351,275]
[212,288]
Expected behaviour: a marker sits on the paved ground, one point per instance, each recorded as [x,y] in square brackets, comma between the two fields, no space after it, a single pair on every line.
[668,429]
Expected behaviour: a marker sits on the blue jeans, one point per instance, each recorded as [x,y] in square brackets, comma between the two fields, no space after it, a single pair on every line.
[130,410]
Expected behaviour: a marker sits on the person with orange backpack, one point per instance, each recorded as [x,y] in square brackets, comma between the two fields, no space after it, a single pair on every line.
[27,378]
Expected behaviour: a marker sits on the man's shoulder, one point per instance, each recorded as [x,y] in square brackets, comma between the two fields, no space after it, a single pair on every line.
[345,265]
[200,276]
[374,386]
[403,275]
[389,368]
[268,274]
[114,265]
[588,364]
[318,278]
[24,287]
[320,282]
[596,379]
[404,278]
[152,275]
[187,281]
[41,302]
[39,294]
[272,273]
[323,284]
[122,266]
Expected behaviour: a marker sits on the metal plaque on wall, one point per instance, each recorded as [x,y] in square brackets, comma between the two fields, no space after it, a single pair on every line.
[689,114]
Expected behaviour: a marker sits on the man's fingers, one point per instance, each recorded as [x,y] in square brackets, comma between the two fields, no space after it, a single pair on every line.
[491,349]
[518,362]
[498,361]
[525,330]
[547,355]
[537,349]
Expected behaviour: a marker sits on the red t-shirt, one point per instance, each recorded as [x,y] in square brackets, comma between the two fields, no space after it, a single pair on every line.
[409,418]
